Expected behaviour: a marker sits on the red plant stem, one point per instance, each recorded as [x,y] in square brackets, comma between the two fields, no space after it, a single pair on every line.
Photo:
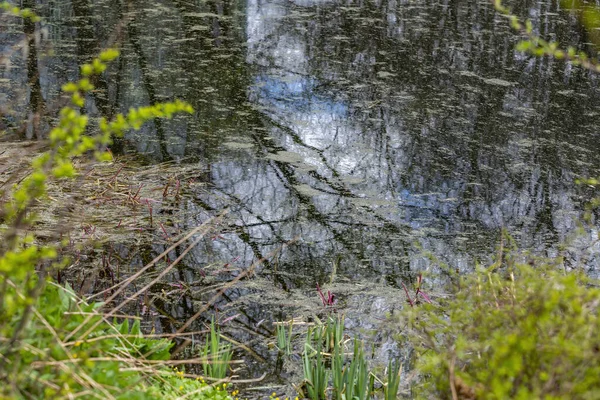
[177,189]
[149,210]
[322,296]
[138,192]
[327,301]
[423,295]
[164,231]
[407,295]
[117,174]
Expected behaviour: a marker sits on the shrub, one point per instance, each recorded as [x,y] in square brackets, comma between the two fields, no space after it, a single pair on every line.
[45,365]
[532,333]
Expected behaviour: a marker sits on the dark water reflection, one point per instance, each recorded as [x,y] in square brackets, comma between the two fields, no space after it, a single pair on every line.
[377,132]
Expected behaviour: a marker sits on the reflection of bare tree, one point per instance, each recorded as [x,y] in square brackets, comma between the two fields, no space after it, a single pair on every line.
[423,105]
[145,70]
[91,39]
[37,104]
[414,128]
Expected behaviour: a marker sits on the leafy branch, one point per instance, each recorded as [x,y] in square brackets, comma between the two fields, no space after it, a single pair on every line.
[23,261]
[536,46]
[25,13]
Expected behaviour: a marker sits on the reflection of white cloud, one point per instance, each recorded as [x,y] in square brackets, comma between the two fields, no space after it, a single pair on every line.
[284,88]
[376,146]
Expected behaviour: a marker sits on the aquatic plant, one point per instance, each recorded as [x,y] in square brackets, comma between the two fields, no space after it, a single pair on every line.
[327,300]
[352,380]
[418,292]
[216,354]
[394,371]
[328,369]
[284,337]
[316,377]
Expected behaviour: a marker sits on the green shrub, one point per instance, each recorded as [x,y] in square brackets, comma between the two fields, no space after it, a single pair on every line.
[47,366]
[532,333]
[532,43]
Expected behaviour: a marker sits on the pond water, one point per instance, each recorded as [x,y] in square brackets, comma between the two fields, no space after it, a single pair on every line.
[388,136]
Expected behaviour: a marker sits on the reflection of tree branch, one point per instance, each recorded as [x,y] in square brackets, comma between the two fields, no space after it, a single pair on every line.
[298,140]
[148,85]
[90,43]
[243,233]
[286,175]
[37,104]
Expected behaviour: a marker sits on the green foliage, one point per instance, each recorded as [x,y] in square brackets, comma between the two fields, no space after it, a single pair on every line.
[175,386]
[537,46]
[346,377]
[106,365]
[216,353]
[315,375]
[321,341]
[531,333]
[48,366]
[284,337]
[589,17]
[351,380]
[393,380]
[38,316]
[24,13]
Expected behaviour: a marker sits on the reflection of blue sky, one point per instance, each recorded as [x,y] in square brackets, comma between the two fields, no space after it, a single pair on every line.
[287,92]
[292,100]
[295,94]
[403,163]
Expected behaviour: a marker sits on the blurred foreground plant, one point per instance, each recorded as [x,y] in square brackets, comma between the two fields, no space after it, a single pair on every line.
[589,16]
[529,334]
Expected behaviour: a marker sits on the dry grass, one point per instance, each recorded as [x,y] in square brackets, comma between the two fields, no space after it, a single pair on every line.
[117,202]
[124,202]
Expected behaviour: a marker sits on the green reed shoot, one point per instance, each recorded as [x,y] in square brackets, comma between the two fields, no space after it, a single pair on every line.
[315,374]
[351,380]
[351,377]
[284,337]
[393,380]
[334,333]
[217,354]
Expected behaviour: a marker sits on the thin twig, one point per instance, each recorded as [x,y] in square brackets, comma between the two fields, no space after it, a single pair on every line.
[125,283]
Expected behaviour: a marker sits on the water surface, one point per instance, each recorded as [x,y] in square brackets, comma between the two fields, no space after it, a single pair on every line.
[388,136]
